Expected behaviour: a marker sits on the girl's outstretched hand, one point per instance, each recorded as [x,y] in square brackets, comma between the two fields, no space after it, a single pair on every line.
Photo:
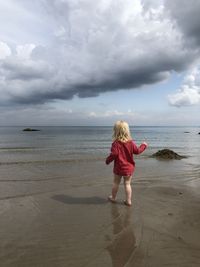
[144,143]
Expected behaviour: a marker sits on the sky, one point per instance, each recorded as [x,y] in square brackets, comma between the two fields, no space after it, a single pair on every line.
[85,62]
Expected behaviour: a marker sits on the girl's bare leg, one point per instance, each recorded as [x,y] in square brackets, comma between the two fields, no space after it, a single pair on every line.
[128,189]
[115,187]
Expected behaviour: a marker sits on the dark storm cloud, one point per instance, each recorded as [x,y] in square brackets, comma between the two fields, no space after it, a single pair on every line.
[93,48]
[22,71]
[186,13]
[185,16]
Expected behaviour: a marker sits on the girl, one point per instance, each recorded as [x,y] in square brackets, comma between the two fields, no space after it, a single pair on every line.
[122,151]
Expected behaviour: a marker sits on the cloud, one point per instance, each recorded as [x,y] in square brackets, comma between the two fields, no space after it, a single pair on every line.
[4,50]
[24,51]
[50,114]
[84,48]
[189,92]
[38,114]
[110,116]
[186,15]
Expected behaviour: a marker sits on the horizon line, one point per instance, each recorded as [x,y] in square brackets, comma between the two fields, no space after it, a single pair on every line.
[97,126]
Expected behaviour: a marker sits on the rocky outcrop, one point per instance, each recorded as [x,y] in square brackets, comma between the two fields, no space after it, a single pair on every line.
[167,154]
[30,130]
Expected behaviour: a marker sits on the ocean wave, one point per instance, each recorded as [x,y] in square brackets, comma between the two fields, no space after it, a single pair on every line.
[17,148]
[53,161]
[34,180]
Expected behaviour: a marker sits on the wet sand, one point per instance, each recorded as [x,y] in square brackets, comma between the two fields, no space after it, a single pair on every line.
[56,214]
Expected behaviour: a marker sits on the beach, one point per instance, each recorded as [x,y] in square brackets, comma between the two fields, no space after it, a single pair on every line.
[56,213]
[64,219]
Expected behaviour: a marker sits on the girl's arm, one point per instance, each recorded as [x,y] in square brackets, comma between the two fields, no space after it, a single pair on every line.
[113,153]
[140,149]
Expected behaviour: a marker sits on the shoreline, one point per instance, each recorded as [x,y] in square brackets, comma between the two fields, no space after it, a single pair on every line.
[60,211]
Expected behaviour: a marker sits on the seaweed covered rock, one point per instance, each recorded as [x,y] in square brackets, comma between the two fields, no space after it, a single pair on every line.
[30,130]
[167,154]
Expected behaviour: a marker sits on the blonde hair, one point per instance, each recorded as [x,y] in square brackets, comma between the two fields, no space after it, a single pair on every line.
[121,131]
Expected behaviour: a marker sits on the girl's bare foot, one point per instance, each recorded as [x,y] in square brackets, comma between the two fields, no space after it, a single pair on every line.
[127,204]
[111,199]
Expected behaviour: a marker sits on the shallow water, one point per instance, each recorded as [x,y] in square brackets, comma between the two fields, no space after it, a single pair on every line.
[61,143]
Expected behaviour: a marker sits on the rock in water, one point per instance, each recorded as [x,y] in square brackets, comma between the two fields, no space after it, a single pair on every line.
[30,130]
[167,154]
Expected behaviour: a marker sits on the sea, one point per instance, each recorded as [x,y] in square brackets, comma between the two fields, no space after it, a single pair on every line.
[67,143]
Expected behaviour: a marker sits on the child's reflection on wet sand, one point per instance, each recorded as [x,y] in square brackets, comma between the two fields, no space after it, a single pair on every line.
[123,243]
